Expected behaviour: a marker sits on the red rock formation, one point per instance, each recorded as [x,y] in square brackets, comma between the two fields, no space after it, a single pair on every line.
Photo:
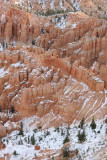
[2,131]
[95,7]
[37,147]
[41,53]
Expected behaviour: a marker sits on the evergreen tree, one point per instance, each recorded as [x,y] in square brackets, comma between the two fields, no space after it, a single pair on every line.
[93,124]
[6,45]
[21,130]
[62,132]
[15,153]
[106,121]
[81,136]
[57,129]
[82,123]
[28,140]
[68,131]
[35,155]
[3,45]
[30,5]
[66,152]
[12,109]
[52,157]
[40,127]
[33,42]
[66,139]
[33,140]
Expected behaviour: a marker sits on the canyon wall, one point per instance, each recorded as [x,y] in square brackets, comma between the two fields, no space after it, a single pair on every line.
[41,56]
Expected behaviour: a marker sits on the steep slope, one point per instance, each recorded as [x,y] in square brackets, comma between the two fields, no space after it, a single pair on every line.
[37,74]
[53,71]
[49,143]
[92,8]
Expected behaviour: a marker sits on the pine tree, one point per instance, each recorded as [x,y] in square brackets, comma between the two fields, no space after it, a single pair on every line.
[40,127]
[3,44]
[93,124]
[82,123]
[33,42]
[66,139]
[21,130]
[28,140]
[62,132]
[67,131]
[15,153]
[12,109]
[33,140]
[52,157]
[35,155]
[57,129]
[66,152]
[81,136]
[106,120]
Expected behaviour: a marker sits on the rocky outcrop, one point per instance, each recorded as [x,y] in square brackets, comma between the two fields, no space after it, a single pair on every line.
[37,99]
[52,68]
[38,57]
[17,25]
[90,78]
[30,70]
[9,122]
[92,8]
[11,126]
[2,131]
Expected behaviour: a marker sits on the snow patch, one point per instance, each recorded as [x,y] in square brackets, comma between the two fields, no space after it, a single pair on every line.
[3,72]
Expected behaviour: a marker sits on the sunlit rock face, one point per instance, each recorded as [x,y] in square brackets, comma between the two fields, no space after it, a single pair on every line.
[53,72]
[40,55]
[92,8]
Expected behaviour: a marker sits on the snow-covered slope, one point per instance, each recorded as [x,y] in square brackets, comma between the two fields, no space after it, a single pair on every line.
[52,139]
[92,8]
[55,68]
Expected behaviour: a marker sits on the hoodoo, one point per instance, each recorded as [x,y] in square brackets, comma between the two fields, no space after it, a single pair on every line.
[53,79]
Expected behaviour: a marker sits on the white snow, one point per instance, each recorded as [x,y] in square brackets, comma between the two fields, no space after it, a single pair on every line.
[76,4]
[97,79]
[1,47]
[52,5]
[3,72]
[18,64]
[53,139]
[74,25]
[62,23]
[61,5]
[3,18]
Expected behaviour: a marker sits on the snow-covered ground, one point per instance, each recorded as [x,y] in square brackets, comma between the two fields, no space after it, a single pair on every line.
[53,139]
[3,72]
[61,24]
[76,4]
[1,47]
